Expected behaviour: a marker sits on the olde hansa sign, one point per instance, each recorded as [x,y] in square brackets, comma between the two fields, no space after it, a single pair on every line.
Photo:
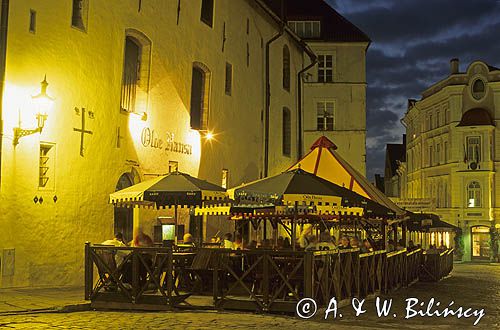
[151,139]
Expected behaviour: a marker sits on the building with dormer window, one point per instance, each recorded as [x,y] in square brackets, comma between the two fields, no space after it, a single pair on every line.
[452,156]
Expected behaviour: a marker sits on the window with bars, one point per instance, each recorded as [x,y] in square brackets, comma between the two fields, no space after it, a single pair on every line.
[287,132]
[44,165]
[207,12]
[286,68]
[229,78]
[325,117]
[325,68]
[306,29]
[474,194]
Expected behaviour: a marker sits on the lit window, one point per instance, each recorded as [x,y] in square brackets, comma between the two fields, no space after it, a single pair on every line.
[225,177]
[229,78]
[287,132]
[306,29]
[207,12]
[325,115]
[474,194]
[478,89]
[79,16]
[325,68]
[286,68]
[173,166]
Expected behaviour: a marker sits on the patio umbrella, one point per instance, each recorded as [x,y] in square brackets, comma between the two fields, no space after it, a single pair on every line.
[298,187]
[174,189]
[305,188]
[427,222]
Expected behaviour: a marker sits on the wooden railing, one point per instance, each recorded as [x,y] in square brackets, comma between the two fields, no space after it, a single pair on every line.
[262,280]
[137,276]
[435,266]
[256,280]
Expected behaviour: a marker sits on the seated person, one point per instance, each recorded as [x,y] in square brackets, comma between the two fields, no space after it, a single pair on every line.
[286,243]
[354,241]
[325,241]
[238,242]
[188,240]
[117,241]
[228,241]
[344,243]
[312,243]
[367,246]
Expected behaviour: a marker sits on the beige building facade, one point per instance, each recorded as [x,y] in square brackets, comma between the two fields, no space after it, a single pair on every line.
[139,89]
[452,156]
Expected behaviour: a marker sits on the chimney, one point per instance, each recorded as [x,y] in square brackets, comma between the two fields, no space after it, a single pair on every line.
[454,66]
[411,103]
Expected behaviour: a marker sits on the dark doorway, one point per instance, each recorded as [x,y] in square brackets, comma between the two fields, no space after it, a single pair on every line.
[124,217]
[196,228]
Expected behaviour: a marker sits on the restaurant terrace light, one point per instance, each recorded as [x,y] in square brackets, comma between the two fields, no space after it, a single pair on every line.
[42,104]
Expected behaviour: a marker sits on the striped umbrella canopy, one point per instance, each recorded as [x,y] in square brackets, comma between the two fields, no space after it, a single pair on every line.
[304,188]
[173,189]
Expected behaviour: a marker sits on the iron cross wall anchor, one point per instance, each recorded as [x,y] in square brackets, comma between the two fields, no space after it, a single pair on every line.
[82,130]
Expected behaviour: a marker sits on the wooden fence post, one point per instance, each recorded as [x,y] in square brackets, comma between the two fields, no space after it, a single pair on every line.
[308,275]
[89,272]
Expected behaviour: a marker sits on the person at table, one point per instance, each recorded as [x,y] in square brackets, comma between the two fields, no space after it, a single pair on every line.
[141,239]
[367,246]
[442,247]
[325,241]
[238,242]
[188,240]
[304,238]
[391,246]
[228,241]
[344,243]
[411,246]
[354,241]
[286,243]
[312,243]
[117,241]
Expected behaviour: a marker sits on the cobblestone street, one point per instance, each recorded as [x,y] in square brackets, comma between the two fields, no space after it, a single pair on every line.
[471,285]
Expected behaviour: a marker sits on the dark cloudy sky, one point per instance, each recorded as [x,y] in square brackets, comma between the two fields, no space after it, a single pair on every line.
[412,43]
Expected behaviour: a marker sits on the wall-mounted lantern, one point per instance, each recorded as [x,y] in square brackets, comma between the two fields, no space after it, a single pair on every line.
[42,103]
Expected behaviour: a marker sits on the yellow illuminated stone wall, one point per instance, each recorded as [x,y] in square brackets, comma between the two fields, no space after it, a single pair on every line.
[84,70]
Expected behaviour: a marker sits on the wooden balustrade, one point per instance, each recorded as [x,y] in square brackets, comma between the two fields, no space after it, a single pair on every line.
[257,280]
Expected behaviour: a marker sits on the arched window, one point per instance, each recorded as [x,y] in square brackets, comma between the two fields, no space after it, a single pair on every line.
[136,71]
[286,68]
[200,87]
[287,132]
[478,89]
[474,194]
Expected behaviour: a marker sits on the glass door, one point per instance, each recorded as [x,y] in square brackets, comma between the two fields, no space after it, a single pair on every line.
[480,242]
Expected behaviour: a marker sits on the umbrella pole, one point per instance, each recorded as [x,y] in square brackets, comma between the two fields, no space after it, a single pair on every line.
[175,222]
[294,220]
